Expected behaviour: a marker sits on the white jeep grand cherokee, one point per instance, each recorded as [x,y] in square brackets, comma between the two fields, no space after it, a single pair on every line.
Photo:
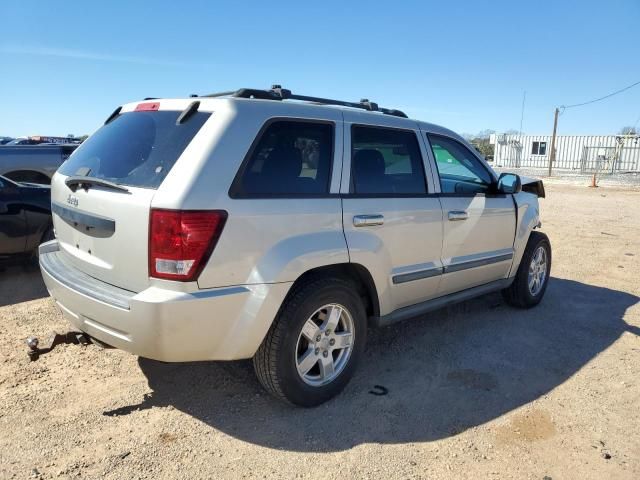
[267,225]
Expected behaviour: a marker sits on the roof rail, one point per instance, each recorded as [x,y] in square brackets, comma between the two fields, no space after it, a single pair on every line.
[278,93]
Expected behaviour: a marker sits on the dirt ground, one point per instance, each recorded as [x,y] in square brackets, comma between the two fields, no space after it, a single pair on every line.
[479,390]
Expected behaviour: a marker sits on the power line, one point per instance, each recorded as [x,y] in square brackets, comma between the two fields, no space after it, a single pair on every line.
[560,110]
[564,107]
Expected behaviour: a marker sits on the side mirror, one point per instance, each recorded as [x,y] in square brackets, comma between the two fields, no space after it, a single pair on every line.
[509,183]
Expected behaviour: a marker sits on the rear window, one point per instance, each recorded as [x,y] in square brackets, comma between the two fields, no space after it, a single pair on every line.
[136,148]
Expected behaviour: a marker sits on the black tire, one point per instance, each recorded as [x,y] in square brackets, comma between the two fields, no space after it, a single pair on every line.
[275,360]
[519,294]
[48,235]
[33,258]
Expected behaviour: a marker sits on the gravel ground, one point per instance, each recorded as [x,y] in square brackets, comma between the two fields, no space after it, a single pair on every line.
[479,390]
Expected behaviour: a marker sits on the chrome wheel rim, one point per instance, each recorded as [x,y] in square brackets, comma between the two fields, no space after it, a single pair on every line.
[324,345]
[537,271]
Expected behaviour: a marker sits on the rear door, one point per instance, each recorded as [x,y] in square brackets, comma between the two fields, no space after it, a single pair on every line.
[104,231]
[391,223]
[479,224]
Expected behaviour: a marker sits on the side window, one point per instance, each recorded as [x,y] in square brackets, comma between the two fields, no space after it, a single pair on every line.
[460,170]
[386,161]
[290,158]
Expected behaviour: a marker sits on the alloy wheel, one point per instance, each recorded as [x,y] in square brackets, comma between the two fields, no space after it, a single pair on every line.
[325,345]
[537,271]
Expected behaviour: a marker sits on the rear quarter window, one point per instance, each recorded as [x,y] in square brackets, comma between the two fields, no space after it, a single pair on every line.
[289,158]
[136,148]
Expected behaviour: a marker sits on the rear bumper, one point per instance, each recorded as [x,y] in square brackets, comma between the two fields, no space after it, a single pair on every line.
[216,324]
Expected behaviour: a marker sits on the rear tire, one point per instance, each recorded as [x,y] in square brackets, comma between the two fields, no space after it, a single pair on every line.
[321,330]
[532,277]
[48,235]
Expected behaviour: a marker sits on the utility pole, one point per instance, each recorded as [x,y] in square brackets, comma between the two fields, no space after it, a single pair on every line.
[524,96]
[552,154]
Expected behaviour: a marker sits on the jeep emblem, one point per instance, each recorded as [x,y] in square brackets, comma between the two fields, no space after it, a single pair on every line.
[71,200]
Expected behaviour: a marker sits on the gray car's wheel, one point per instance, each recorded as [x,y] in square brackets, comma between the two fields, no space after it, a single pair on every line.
[34,256]
[533,273]
[313,346]
[48,235]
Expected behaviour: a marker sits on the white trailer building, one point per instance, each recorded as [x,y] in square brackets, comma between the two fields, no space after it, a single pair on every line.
[586,153]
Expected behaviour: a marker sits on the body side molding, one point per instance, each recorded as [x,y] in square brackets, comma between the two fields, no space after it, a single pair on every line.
[440,302]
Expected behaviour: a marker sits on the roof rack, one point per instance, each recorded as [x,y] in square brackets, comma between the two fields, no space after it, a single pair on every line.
[278,93]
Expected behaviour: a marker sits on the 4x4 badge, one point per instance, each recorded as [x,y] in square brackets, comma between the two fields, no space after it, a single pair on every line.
[71,200]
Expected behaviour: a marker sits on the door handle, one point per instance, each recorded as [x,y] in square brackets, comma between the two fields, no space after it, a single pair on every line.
[368,220]
[457,215]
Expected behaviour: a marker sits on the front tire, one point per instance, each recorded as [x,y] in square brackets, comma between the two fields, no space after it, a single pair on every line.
[312,349]
[532,277]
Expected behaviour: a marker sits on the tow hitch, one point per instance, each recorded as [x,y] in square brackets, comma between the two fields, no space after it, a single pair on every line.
[76,338]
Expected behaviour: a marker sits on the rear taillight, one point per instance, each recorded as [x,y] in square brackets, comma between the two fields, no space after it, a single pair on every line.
[180,242]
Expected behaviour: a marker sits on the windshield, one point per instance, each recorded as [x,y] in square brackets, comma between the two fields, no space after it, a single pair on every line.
[136,148]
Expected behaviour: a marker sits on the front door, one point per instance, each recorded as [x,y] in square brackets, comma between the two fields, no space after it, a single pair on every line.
[391,223]
[478,224]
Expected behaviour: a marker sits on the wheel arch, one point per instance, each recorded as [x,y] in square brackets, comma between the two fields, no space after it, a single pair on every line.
[356,273]
[28,175]
[528,220]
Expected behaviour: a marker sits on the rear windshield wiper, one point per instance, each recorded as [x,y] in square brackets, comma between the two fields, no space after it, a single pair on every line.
[85,182]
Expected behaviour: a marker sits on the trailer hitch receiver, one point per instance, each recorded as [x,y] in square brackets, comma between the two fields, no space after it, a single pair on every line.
[76,338]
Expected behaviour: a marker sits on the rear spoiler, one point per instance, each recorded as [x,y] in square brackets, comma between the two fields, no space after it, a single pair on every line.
[533,185]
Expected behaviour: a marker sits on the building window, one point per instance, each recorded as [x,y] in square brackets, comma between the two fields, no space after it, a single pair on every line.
[539,148]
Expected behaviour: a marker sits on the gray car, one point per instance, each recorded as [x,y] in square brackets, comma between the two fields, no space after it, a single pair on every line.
[267,225]
[33,163]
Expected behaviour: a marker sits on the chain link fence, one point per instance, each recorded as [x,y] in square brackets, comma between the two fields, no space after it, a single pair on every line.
[583,154]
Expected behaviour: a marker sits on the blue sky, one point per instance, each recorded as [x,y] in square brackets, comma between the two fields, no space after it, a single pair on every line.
[65,66]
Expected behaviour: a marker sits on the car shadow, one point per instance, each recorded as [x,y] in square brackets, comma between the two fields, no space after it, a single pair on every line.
[20,281]
[420,380]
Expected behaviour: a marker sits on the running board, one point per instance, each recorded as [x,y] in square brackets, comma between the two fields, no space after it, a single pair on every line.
[418,309]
